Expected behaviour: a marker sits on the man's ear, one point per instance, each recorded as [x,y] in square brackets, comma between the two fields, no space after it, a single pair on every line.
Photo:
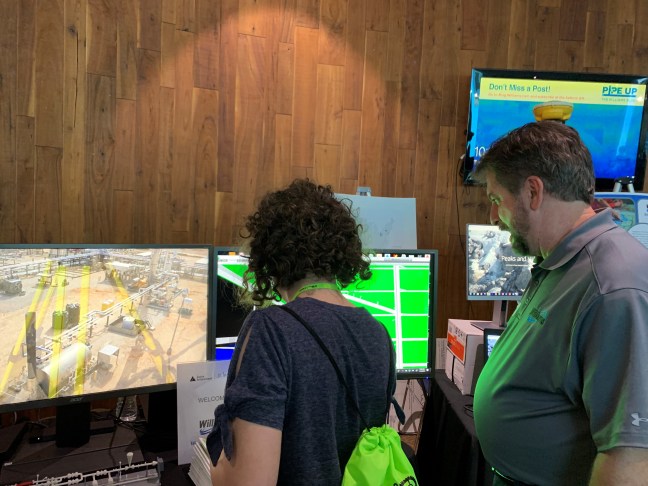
[534,188]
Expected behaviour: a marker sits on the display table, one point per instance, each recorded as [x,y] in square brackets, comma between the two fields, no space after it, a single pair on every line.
[106,451]
[448,451]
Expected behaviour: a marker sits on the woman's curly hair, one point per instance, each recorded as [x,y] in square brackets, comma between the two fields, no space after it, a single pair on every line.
[302,231]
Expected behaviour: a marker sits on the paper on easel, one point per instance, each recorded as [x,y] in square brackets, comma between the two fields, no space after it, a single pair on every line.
[387,222]
[201,388]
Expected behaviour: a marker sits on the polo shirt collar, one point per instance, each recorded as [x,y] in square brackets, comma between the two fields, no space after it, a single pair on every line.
[575,241]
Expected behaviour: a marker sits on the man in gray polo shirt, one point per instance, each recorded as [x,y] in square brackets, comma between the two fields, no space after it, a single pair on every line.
[563,399]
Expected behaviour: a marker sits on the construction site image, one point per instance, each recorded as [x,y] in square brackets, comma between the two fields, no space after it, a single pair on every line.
[87,320]
[397,295]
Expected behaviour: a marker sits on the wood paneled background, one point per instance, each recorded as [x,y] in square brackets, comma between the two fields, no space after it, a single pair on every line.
[164,121]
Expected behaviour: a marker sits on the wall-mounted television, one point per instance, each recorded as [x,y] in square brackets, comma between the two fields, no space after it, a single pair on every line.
[607,110]
[401,294]
[493,271]
[86,322]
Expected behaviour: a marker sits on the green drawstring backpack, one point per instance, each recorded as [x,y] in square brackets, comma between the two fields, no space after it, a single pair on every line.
[378,458]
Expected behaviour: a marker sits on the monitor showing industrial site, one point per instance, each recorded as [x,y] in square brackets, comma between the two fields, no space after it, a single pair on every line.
[90,321]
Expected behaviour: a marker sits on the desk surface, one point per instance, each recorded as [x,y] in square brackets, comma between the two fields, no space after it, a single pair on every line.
[448,451]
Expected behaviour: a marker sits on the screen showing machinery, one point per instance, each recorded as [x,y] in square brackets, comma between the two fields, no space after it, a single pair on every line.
[607,110]
[493,271]
[80,323]
[401,294]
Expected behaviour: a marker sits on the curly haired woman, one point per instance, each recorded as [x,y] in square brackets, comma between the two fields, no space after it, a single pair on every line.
[286,417]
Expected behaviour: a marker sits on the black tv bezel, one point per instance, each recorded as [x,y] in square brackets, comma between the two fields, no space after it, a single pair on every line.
[434,269]
[107,394]
[601,184]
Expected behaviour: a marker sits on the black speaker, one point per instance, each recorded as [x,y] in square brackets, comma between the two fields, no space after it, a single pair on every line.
[161,422]
[73,424]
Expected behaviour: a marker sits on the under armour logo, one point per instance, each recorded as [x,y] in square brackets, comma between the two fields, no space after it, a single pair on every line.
[637,419]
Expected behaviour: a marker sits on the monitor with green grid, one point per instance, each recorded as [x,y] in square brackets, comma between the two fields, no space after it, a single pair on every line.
[401,294]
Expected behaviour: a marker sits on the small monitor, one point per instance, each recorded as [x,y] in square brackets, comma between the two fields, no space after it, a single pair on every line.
[493,271]
[490,338]
[230,314]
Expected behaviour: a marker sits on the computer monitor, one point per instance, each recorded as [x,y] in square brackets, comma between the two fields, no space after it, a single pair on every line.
[493,271]
[402,295]
[230,314]
[86,322]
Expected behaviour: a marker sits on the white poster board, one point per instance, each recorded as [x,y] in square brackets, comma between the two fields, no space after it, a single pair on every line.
[630,211]
[201,388]
[388,223]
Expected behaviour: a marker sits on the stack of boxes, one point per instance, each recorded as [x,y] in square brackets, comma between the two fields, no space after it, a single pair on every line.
[465,354]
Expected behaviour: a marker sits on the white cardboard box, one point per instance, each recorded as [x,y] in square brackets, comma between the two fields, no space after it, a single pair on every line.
[465,354]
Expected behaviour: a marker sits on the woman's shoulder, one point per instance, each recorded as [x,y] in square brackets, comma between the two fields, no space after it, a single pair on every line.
[317,307]
[273,320]
[358,318]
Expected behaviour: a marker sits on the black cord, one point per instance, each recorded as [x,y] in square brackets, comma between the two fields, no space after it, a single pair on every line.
[452,370]
[460,172]
[456,194]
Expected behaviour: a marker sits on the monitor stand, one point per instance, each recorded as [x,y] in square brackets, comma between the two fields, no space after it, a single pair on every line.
[500,312]
[74,426]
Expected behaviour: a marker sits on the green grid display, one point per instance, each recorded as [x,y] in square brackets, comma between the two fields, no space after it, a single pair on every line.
[402,309]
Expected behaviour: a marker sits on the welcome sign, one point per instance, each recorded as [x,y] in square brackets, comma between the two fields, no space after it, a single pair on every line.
[201,388]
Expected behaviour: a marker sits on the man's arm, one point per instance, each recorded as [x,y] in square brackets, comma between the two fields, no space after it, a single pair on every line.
[255,459]
[621,465]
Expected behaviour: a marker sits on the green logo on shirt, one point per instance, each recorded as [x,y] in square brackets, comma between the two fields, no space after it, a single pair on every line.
[537,317]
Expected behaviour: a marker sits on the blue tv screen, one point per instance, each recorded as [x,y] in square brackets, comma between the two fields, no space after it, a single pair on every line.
[607,110]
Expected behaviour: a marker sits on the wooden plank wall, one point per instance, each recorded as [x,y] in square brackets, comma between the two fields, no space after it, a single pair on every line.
[164,121]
